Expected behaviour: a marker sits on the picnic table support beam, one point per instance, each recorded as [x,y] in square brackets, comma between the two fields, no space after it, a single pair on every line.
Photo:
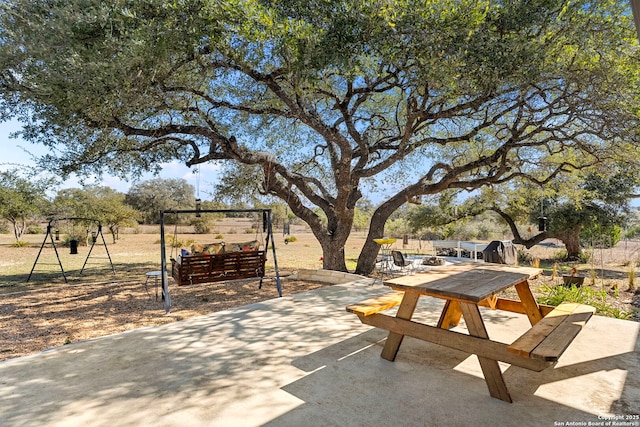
[529,302]
[451,315]
[405,311]
[452,339]
[490,367]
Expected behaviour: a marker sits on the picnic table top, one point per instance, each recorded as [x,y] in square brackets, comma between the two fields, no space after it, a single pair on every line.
[471,282]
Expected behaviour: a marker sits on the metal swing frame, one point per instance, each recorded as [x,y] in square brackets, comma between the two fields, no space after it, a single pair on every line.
[49,234]
[266,226]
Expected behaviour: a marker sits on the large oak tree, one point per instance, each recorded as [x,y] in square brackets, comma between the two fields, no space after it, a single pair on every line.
[322,97]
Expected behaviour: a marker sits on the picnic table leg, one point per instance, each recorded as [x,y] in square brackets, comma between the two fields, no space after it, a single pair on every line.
[405,311]
[529,302]
[451,315]
[490,368]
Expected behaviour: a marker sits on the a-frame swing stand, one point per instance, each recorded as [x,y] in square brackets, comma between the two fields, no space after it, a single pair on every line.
[49,236]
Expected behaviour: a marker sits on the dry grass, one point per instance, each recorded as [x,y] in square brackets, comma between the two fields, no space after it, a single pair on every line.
[47,312]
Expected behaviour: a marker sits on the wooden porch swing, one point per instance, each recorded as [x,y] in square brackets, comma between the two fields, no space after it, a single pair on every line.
[218,262]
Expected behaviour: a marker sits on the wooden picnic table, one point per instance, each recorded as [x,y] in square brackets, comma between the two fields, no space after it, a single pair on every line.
[465,288]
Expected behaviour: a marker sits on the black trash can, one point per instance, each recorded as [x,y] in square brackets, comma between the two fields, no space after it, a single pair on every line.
[73,244]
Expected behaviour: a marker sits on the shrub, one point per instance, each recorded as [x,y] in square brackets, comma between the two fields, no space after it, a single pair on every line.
[80,237]
[200,225]
[34,229]
[290,239]
[524,257]
[554,295]
[176,242]
[585,256]
[560,255]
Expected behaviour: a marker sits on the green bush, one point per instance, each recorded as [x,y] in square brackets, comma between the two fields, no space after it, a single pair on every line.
[290,239]
[80,237]
[585,256]
[34,229]
[200,225]
[524,257]
[554,295]
[176,242]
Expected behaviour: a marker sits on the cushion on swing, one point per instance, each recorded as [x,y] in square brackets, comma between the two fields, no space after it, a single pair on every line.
[221,247]
[213,248]
[251,246]
[209,248]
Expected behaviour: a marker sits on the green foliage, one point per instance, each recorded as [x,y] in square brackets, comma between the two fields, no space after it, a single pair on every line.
[601,234]
[312,102]
[96,202]
[21,199]
[554,295]
[79,236]
[34,228]
[201,225]
[176,242]
[361,219]
[524,257]
[150,197]
[560,255]
[290,239]
[19,244]
[398,227]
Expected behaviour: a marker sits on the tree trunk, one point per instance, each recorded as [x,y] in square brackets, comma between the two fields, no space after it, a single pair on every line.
[572,243]
[113,231]
[18,228]
[368,254]
[333,257]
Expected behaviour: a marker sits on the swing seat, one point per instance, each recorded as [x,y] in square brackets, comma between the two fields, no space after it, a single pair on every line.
[208,268]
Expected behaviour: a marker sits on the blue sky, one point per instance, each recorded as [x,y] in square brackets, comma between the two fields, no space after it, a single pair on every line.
[17,152]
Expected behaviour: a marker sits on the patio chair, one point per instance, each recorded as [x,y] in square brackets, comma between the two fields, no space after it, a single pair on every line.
[400,261]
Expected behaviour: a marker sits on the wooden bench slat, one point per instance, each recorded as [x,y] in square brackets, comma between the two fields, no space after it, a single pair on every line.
[550,337]
[560,338]
[206,268]
[377,304]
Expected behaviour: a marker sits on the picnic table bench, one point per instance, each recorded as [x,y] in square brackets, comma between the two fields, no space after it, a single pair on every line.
[465,288]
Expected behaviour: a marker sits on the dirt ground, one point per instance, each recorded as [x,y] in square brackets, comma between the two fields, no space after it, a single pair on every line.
[48,312]
[35,320]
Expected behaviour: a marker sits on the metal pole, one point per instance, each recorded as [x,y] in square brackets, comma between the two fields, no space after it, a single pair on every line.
[163,266]
[273,248]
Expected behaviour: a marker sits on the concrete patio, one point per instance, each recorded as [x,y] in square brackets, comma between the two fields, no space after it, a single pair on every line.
[303,360]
